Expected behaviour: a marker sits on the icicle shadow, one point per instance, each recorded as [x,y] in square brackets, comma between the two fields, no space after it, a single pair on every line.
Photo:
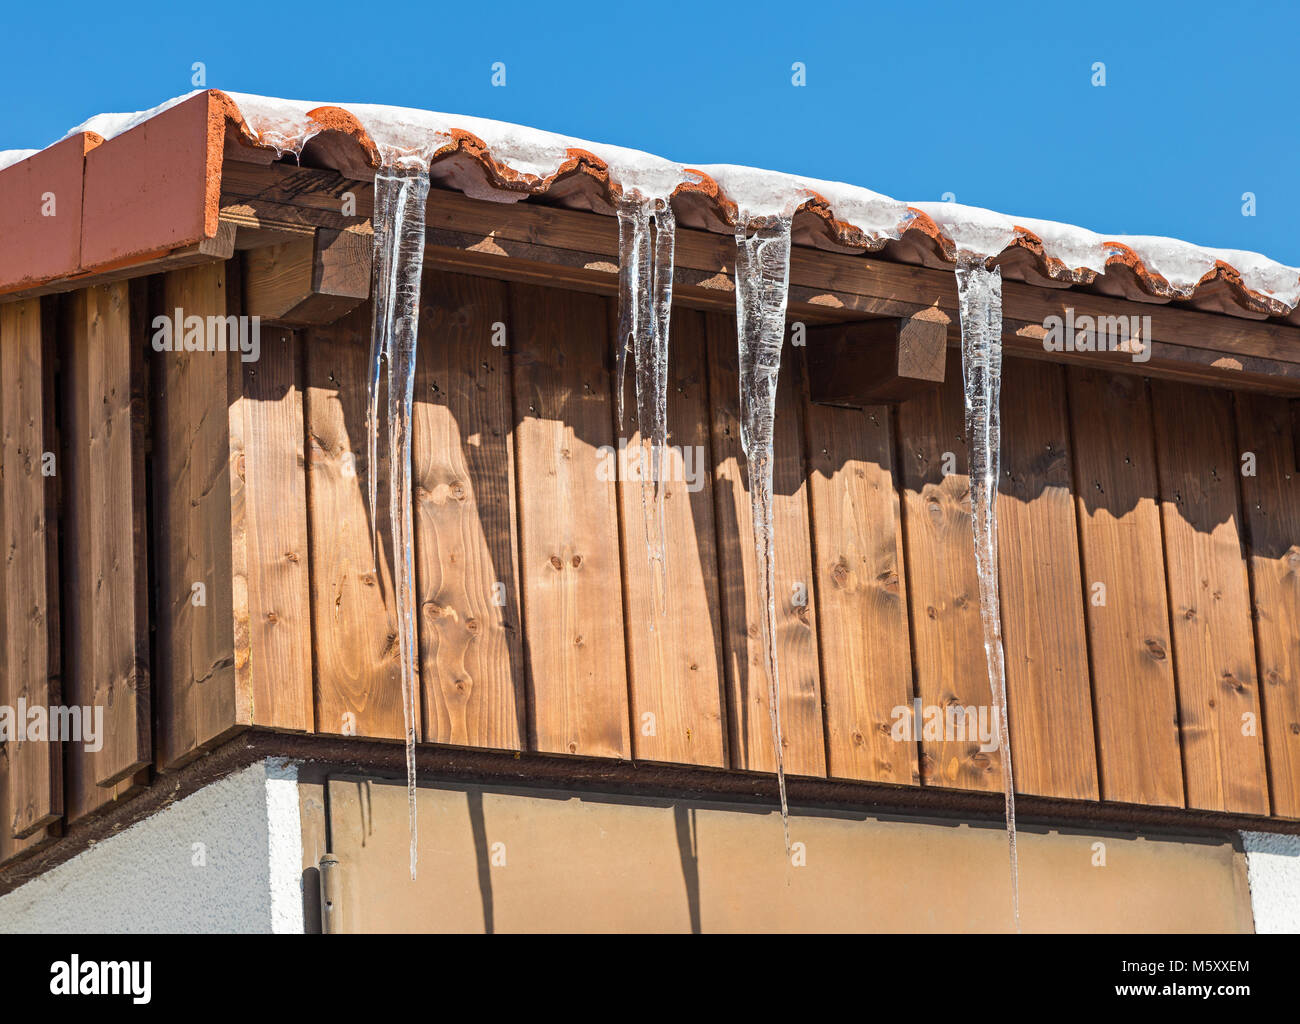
[762,287]
[400,198]
[980,298]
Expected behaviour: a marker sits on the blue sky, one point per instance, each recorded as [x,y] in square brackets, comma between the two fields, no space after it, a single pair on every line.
[992,102]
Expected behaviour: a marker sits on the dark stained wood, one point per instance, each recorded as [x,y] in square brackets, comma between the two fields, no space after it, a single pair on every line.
[947,641]
[796,640]
[357,665]
[33,783]
[1271,506]
[1053,744]
[877,361]
[1209,599]
[467,578]
[568,525]
[866,657]
[675,646]
[1120,540]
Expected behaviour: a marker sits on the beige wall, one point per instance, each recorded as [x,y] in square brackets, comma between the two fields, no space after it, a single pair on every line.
[520,861]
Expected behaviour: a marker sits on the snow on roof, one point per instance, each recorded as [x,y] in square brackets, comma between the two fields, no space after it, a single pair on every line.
[522,162]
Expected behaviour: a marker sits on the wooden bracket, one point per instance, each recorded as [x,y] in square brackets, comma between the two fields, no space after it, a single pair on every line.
[874,362]
[313,279]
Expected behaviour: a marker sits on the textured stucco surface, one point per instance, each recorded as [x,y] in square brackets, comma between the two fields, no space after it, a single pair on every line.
[226,858]
[1273,865]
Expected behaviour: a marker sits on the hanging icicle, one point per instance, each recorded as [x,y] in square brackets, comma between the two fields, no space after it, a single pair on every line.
[980,298]
[762,286]
[399,261]
[647,239]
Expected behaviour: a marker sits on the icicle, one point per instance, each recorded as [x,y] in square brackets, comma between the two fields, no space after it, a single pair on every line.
[399,260]
[980,294]
[645,307]
[762,284]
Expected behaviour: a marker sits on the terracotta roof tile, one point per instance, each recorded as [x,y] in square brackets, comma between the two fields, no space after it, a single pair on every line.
[156,185]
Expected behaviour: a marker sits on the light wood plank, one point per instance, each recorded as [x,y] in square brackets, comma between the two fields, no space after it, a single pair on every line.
[1053,744]
[865,646]
[568,523]
[467,578]
[1120,540]
[269,513]
[198,703]
[947,640]
[107,556]
[795,596]
[675,646]
[358,668]
[34,780]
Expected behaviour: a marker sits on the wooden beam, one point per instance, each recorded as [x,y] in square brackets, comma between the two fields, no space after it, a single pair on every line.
[579,250]
[310,279]
[877,361]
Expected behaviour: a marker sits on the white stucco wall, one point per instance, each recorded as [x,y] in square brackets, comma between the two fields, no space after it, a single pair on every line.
[227,858]
[1273,865]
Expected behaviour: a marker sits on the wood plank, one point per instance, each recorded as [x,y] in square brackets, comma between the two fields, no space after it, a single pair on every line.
[568,524]
[198,702]
[1116,498]
[1209,599]
[358,667]
[269,520]
[947,640]
[865,646]
[796,641]
[467,574]
[1053,744]
[675,646]
[106,551]
[1271,503]
[33,782]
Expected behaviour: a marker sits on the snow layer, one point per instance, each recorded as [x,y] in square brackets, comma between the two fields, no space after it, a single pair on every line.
[409,138]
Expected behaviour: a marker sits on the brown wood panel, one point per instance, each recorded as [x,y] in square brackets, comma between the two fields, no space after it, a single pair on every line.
[1209,599]
[106,556]
[796,640]
[198,703]
[269,521]
[947,640]
[467,578]
[568,524]
[33,782]
[358,668]
[1053,744]
[675,647]
[1271,505]
[866,654]
[1120,539]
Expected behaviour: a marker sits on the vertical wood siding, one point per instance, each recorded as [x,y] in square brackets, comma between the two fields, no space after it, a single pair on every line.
[1150,574]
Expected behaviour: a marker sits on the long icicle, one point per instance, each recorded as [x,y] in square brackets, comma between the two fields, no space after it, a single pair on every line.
[647,241]
[980,298]
[762,286]
[399,250]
